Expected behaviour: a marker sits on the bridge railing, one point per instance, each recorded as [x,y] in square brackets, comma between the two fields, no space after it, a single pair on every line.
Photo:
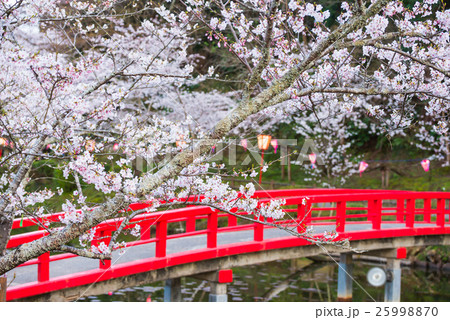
[345,207]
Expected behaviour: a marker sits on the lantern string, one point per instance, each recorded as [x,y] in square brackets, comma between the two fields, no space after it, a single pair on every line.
[397,160]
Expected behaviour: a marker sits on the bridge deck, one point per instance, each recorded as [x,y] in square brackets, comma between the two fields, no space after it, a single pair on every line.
[26,274]
[371,219]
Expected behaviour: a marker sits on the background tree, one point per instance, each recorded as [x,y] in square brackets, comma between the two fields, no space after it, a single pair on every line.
[79,77]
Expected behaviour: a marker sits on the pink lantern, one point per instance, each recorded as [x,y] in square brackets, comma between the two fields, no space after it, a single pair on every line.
[312,158]
[116,147]
[362,166]
[274,144]
[244,143]
[425,164]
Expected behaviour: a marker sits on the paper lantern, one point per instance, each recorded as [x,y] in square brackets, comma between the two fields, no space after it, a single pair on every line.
[3,142]
[274,144]
[90,145]
[362,166]
[180,143]
[264,141]
[116,147]
[425,163]
[244,143]
[312,158]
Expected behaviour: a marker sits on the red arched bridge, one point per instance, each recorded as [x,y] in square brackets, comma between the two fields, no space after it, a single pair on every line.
[197,240]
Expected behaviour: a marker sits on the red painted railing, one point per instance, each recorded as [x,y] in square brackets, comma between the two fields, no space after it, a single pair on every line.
[345,207]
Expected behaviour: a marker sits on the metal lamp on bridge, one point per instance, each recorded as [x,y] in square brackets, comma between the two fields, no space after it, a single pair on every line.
[263,144]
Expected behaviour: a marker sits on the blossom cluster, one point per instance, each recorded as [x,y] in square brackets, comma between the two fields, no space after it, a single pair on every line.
[91,100]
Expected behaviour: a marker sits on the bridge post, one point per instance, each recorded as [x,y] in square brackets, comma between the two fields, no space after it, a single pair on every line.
[146,231]
[303,214]
[161,238]
[376,214]
[400,210]
[345,284]
[340,216]
[211,236]
[218,292]
[258,230]
[190,224]
[232,220]
[172,290]
[106,235]
[427,210]
[392,288]
[218,281]
[440,213]
[44,267]
[410,212]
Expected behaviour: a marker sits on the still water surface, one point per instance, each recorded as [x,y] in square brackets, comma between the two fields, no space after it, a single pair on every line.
[294,280]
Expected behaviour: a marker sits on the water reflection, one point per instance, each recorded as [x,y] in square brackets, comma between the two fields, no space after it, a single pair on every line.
[294,280]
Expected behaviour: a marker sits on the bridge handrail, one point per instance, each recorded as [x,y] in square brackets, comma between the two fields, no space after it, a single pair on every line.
[374,215]
[54,217]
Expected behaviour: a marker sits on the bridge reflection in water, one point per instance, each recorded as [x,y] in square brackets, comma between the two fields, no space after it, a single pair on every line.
[295,280]
[210,243]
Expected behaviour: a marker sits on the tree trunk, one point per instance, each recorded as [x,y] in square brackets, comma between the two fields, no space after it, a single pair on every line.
[289,166]
[5,231]
[448,152]
[387,177]
[3,285]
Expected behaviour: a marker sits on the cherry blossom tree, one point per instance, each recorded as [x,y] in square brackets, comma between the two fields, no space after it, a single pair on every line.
[332,131]
[434,139]
[88,87]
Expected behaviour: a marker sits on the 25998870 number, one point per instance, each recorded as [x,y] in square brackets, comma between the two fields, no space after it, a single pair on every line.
[406,311]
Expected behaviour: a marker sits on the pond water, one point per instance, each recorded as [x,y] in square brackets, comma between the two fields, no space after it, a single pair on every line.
[295,280]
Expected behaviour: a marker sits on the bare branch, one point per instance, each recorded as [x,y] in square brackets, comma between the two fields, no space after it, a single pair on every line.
[152,74]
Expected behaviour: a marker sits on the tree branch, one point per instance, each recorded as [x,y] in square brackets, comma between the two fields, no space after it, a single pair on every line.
[151,181]
[257,71]
[304,235]
[84,253]
[423,62]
